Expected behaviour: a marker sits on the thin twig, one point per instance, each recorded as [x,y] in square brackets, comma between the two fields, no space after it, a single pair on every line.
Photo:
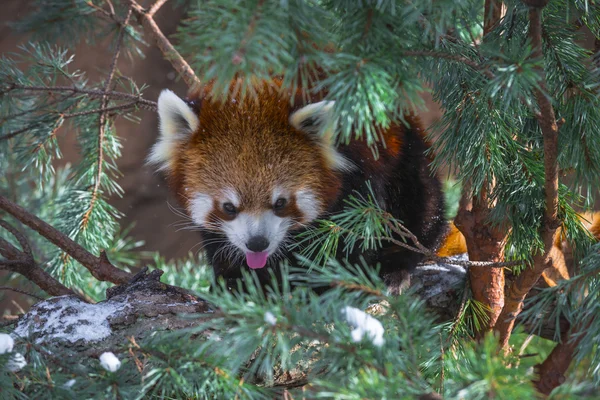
[21,291]
[401,230]
[141,102]
[120,107]
[105,14]
[452,57]
[155,7]
[12,134]
[357,287]
[165,46]
[102,121]
[30,111]
[9,320]
[461,310]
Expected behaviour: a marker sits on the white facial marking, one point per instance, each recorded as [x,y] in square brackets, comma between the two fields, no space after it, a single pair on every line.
[200,206]
[231,196]
[267,224]
[309,205]
[279,192]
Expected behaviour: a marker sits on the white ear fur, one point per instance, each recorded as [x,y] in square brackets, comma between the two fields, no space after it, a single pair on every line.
[317,119]
[314,118]
[176,122]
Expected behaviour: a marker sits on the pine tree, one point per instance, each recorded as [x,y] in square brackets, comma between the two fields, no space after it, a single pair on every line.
[520,133]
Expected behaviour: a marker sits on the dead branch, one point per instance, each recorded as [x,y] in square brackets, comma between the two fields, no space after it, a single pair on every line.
[21,291]
[402,231]
[155,7]
[22,262]
[165,46]
[100,267]
[521,286]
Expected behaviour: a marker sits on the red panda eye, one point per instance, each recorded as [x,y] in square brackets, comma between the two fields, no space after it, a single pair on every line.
[280,203]
[229,209]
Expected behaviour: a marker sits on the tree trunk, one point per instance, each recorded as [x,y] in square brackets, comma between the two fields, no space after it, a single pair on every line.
[484,243]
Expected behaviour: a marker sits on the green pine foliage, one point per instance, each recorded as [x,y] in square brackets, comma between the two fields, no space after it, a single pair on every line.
[251,338]
[378,57]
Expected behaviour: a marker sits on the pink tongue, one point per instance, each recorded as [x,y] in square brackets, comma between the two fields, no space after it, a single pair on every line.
[256,260]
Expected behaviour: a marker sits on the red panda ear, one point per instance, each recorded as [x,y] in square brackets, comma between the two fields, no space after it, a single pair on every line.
[315,119]
[318,121]
[177,122]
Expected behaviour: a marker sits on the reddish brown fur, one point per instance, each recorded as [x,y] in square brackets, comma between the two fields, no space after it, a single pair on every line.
[251,146]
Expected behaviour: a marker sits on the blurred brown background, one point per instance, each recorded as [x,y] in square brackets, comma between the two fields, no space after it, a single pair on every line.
[146,195]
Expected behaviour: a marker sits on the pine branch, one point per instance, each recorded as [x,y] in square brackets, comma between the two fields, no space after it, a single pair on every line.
[13,134]
[492,15]
[102,122]
[109,15]
[165,46]
[546,118]
[100,267]
[140,102]
[401,230]
[120,107]
[484,241]
[452,57]
[22,262]
[239,54]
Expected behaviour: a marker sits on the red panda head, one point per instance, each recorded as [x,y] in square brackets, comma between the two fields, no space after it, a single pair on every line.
[249,168]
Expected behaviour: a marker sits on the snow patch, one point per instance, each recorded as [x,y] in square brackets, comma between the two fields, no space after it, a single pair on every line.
[110,362]
[69,384]
[69,318]
[270,318]
[363,324]
[16,362]
[6,343]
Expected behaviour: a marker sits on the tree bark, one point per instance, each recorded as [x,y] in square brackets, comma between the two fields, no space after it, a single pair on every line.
[552,370]
[547,121]
[484,243]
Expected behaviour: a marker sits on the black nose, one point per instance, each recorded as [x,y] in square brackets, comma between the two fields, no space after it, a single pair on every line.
[257,243]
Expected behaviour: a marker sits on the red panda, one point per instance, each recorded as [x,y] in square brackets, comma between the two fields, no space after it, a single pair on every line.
[254,171]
